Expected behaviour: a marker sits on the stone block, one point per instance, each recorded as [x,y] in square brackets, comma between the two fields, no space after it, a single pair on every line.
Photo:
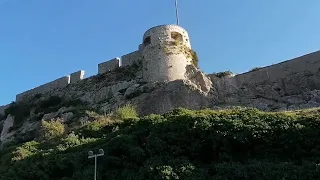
[131,58]
[108,66]
[77,76]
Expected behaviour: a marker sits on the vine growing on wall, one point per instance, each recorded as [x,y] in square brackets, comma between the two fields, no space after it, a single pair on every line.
[177,47]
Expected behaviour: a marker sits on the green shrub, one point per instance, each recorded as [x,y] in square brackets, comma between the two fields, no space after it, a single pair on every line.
[100,126]
[195,59]
[241,143]
[126,112]
[223,74]
[52,130]
[26,150]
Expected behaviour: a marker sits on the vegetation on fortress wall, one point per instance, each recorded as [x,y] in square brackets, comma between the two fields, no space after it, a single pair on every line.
[176,47]
[181,144]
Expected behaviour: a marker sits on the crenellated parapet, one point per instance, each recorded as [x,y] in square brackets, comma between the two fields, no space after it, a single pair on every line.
[51,86]
[125,60]
[163,53]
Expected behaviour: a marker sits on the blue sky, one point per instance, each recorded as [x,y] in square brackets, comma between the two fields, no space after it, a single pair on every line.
[43,40]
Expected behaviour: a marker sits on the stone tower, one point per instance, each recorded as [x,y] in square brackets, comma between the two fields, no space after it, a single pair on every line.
[166,52]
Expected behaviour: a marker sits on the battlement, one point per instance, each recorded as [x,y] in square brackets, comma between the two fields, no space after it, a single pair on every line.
[158,66]
[58,83]
[125,60]
[164,54]
[104,67]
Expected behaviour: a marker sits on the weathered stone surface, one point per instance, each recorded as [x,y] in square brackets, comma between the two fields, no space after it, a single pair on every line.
[131,58]
[285,86]
[67,116]
[165,60]
[3,108]
[169,96]
[108,65]
[5,134]
[77,76]
[198,78]
[64,110]
[49,116]
[53,85]
[131,90]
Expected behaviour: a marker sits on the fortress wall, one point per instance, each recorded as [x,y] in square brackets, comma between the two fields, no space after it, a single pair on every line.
[131,58]
[308,64]
[77,76]
[108,66]
[58,83]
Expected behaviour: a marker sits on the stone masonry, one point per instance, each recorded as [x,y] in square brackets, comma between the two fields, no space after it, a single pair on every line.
[129,59]
[289,85]
[164,53]
[58,83]
[109,66]
[76,76]
[159,64]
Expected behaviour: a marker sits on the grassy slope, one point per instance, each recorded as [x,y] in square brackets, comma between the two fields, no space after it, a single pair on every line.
[182,144]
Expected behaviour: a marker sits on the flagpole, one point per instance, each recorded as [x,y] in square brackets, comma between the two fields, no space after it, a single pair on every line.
[177,13]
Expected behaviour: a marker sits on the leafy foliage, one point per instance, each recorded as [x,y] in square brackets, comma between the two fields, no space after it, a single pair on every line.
[181,144]
[195,59]
[51,130]
[126,112]
[223,74]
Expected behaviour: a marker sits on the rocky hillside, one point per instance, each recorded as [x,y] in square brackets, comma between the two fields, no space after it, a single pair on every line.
[180,144]
[103,93]
[106,92]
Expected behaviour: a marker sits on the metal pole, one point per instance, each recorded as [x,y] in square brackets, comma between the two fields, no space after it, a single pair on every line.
[95,168]
[95,156]
[177,12]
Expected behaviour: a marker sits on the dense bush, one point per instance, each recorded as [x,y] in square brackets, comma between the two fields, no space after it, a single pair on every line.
[126,112]
[181,144]
[52,130]
[223,74]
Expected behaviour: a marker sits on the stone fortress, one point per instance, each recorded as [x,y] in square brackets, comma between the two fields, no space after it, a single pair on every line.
[165,55]
[158,65]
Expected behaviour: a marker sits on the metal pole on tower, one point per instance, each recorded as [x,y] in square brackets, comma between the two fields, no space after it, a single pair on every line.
[177,12]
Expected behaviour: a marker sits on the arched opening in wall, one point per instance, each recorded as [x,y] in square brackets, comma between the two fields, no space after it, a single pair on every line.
[147,41]
[176,36]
